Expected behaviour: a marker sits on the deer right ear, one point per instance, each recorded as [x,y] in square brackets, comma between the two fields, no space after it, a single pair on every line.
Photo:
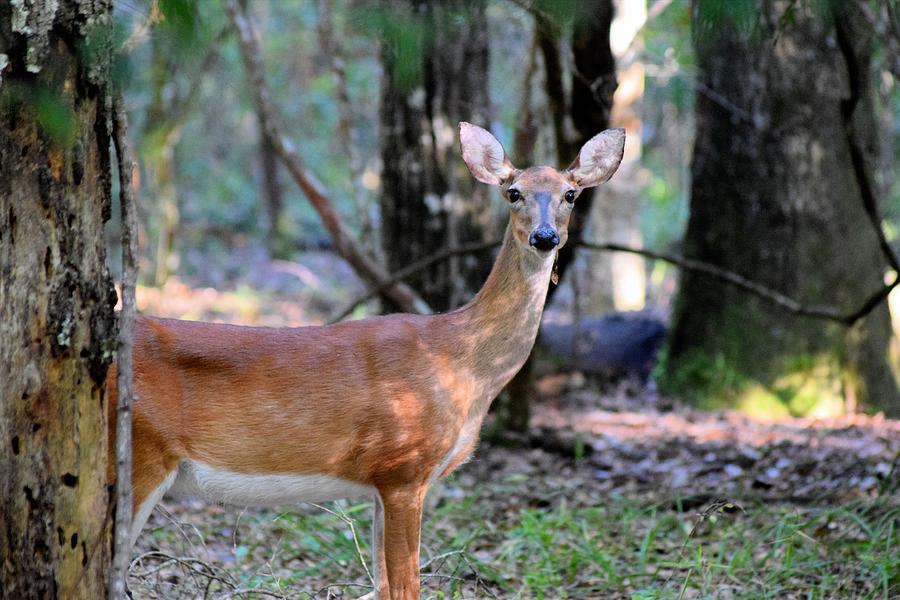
[599,158]
[483,154]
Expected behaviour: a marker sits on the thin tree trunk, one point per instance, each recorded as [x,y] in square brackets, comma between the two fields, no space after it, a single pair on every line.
[593,85]
[273,198]
[779,196]
[429,202]
[58,330]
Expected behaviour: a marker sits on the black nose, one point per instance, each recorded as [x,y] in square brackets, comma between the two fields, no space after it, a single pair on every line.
[544,238]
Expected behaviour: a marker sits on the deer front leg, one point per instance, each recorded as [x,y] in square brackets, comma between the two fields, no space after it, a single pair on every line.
[396,540]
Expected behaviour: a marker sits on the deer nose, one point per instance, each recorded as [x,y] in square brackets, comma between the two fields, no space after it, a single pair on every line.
[544,238]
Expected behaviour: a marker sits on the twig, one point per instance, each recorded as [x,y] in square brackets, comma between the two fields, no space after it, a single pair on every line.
[124,367]
[717,505]
[180,526]
[343,517]
[442,556]
[342,584]
[399,294]
[260,591]
[187,562]
[412,269]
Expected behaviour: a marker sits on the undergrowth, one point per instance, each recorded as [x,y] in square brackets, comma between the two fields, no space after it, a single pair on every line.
[477,547]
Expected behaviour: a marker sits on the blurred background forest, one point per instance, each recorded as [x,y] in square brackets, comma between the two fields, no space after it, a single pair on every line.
[744,256]
[793,187]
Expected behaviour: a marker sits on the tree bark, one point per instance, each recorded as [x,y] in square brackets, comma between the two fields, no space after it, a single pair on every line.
[778,197]
[429,201]
[593,84]
[58,332]
[273,198]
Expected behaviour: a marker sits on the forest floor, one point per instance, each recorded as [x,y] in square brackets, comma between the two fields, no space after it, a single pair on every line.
[614,493]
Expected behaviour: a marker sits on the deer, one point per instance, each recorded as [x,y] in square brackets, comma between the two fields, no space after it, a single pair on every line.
[376,408]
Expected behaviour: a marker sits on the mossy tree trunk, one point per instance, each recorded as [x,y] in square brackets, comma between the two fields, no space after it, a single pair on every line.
[57,328]
[776,196]
[436,73]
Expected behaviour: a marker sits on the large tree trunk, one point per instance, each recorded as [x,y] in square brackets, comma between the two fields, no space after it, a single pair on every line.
[57,329]
[776,197]
[429,201]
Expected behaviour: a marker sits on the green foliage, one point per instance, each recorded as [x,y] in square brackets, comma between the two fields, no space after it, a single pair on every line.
[52,109]
[667,112]
[404,34]
[709,381]
[55,115]
[625,548]
[715,18]
[805,386]
[180,29]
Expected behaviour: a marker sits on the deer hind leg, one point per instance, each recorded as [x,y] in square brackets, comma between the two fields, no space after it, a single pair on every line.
[397,547]
[146,497]
[379,572]
[153,471]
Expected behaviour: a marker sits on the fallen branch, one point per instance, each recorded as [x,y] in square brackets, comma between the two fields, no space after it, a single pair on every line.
[124,369]
[398,294]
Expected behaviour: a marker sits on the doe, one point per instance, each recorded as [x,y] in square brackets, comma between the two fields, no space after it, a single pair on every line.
[377,408]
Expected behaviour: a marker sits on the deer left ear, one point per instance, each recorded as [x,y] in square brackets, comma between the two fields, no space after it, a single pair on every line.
[483,154]
[599,158]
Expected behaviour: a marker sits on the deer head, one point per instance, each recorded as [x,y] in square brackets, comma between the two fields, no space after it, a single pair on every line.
[541,198]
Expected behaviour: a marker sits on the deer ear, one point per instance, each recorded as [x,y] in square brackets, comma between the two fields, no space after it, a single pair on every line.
[599,158]
[483,154]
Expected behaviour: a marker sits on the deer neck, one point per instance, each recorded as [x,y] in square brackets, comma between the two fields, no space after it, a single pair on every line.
[501,322]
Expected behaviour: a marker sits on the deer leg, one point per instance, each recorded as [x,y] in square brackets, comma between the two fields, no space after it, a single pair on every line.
[380,572]
[402,523]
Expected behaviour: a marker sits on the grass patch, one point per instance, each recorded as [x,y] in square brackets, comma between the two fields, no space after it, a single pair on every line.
[491,545]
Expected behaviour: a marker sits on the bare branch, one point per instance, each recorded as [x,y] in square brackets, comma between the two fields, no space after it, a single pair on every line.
[412,269]
[828,313]
[399,294]
[857,81]
[124,367]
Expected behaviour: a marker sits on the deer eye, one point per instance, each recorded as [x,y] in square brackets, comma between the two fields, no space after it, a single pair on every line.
[513,195]
[570,196]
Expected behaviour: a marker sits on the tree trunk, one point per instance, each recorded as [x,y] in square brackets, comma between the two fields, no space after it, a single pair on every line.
[164,133]
[776,197]
[593,85]
[58,330]
[589,110]
[273,199]
[429,201]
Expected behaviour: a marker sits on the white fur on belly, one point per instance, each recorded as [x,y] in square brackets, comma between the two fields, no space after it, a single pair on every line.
[218,485]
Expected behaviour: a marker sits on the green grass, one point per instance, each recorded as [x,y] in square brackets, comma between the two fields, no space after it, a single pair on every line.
[494,546]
